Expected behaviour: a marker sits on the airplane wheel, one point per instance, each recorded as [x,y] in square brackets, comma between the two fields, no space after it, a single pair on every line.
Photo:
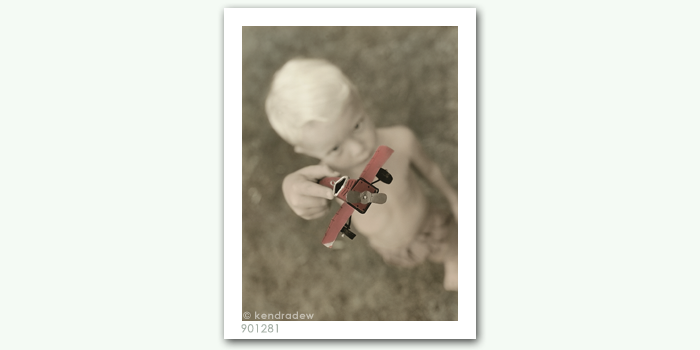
[347,233]
[384,176]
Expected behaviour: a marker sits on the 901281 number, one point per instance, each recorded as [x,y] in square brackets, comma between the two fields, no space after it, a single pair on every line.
[263,328]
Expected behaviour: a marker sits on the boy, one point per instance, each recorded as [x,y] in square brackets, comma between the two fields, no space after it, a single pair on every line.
[316,109]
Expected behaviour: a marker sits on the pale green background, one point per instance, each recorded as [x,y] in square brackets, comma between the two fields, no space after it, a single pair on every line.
[111,169]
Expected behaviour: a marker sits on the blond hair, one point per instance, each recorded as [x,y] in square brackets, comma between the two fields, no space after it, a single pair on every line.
[306,90]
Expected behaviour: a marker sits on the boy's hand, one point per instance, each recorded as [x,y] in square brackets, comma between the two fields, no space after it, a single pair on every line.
[451,196]
[304,195]
[455,212]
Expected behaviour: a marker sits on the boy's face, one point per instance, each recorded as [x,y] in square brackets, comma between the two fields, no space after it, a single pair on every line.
[348,141]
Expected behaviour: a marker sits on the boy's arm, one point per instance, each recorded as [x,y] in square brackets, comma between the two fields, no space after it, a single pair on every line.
[430,170]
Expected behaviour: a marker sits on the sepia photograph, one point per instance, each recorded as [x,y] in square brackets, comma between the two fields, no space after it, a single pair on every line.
[350,181]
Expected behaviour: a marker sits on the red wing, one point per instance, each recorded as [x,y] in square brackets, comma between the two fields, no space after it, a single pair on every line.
[337,223]
[378,159]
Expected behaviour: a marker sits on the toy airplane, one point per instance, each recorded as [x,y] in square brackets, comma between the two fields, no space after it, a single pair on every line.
[357,194]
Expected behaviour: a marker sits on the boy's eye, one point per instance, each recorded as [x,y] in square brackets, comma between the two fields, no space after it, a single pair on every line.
[334,149]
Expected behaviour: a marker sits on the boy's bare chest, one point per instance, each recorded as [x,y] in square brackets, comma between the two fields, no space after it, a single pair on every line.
[403,210]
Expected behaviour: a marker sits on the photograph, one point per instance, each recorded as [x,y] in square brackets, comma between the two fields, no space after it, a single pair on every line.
[349,160]
[397,87]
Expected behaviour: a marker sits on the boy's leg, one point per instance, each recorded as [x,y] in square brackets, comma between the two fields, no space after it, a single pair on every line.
[437,242]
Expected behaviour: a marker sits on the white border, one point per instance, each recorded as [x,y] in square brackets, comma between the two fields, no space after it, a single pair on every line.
[465,18]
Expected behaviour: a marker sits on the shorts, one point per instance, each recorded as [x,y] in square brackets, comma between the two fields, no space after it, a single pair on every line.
[436,241]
